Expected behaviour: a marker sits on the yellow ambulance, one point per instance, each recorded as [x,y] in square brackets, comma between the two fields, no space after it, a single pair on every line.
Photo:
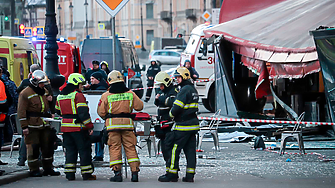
[17,55]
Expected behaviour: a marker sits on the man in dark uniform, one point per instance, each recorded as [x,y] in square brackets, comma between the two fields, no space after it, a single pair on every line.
[164,101]
[183,111]
[151,73]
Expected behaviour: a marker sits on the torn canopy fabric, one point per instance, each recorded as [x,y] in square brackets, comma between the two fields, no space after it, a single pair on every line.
[279,36]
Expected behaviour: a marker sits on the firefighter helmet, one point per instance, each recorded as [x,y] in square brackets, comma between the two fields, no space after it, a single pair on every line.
[76,79]
[163,78]
[38,77]
[114,77]
[104,62]
[183,72]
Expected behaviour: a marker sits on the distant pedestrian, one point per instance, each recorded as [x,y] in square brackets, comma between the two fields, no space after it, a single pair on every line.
[194,74]
[153,69]
[104,67]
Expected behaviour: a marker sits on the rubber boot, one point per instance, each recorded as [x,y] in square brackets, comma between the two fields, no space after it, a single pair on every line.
[188,178]
[134,177]
[35,173]
[51,172]
[70,176]
[89,177]
[117,177]
[168,177]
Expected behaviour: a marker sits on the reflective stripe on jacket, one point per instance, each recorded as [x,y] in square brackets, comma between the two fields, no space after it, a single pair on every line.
[117,103]
[31,102]
[185,107]
[74,104]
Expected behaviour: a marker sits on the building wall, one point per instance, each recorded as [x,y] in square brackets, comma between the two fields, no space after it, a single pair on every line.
[128,20]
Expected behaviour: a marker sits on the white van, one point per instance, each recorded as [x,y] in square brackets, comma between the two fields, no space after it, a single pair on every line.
[204,65]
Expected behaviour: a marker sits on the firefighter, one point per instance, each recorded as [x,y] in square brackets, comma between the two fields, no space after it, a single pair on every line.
[186,126]
[164,101]
[153,69]
[116,106]
[76,127]
[104,67]
[32,106]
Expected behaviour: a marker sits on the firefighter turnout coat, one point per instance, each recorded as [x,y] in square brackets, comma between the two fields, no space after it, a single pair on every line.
[31,107]
[76,121]
[115,107]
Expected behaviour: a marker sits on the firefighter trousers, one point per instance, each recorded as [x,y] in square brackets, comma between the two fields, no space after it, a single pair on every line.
[175,141]
[166,152]
[74,143]
[127,139]
[39,140]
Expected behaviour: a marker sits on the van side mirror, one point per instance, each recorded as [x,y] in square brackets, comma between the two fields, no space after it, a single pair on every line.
[143,68]
[204,47]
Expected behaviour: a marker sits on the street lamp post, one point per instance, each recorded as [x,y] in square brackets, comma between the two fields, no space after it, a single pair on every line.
[142,48]
[171,17]
[51,47]
[59,20]
[71,8]
[86,4]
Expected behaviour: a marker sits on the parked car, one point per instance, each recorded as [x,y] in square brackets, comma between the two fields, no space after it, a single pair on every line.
[165,56]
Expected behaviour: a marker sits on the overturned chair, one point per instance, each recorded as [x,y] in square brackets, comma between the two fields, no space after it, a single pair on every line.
[211,128]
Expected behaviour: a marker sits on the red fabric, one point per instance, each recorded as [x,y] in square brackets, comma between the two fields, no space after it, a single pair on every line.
[141,116]
[232,9]
[263,83]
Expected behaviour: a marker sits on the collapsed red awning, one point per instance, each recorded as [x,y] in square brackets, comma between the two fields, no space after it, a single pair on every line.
[279,35]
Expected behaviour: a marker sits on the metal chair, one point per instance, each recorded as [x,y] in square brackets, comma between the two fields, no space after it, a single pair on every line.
[14,121]
[212,128]
[295,133]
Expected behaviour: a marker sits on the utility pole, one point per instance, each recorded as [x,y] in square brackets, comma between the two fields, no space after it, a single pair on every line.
[86,4]
[204,5]
[12,18]
[171,17]
[142,48]
[114,43]
[59,20]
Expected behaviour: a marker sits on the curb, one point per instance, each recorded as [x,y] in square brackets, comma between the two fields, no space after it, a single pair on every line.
[12,177]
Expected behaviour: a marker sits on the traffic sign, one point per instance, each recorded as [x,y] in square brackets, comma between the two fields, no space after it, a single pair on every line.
[206,15]
[40,31]
[28,31]
[101,26]
[131,73]
[112,6]
[16,21]
[137,44]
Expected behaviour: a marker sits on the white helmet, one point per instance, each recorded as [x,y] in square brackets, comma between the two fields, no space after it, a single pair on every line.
[38,77]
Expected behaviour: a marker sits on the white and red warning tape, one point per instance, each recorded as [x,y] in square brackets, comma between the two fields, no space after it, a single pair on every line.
[266,121]
[136,89]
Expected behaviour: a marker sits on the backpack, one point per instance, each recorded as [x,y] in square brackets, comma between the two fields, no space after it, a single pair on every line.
[259,143]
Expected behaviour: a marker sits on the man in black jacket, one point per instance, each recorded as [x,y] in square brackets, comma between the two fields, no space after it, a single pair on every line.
[183,111]
[151,73]
[164,101]
[96,68]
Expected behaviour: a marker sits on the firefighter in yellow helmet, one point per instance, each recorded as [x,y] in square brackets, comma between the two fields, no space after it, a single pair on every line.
[115,107]
[32,107]
[186,126]
[104,66]
[164,101]
[76,127]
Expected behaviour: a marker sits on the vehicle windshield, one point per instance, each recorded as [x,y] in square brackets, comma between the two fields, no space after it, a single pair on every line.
[192,44]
